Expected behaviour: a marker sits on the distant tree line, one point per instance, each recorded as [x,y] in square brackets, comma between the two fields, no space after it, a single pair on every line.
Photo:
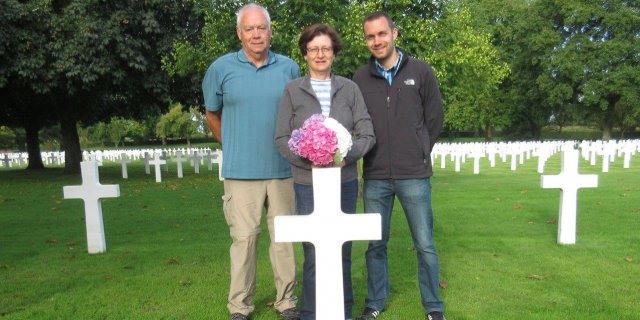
[514,66]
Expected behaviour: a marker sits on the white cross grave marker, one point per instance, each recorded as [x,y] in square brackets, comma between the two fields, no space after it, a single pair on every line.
[124,160]
[92,192]
[146,160]
[195,158]
[157,162]
[328,228]
[20,160]
[569,181]
[178,159]
[52,159]
[208,159]
[627,158]
[216,157]
[514,157]
[7,161]
[476,161]
[164,157]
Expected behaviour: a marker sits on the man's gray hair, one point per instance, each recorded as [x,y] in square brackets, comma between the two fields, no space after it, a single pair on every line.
[249,6]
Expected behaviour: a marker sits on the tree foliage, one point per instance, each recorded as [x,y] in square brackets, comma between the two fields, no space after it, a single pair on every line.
[517,65]
[178,123]
[95,59]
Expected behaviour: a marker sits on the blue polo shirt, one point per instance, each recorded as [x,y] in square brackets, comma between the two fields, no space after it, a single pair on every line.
[249,98]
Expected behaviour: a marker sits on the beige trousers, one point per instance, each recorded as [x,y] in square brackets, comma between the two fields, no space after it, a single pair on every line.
[244,201]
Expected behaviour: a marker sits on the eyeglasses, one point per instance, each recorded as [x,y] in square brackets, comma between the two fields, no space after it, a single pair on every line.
[315,51]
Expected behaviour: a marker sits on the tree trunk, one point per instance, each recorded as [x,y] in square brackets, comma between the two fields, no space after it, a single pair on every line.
[33,148]
[536,131]
[489,132]
[71,145]
[607,132]
[609,116]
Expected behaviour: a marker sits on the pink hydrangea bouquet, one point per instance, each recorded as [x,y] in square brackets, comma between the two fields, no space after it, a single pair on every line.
[322,140]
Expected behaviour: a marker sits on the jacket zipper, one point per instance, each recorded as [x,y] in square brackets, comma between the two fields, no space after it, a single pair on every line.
[389,128]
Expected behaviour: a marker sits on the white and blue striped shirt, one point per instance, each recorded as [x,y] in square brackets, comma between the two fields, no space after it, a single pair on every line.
[322,89]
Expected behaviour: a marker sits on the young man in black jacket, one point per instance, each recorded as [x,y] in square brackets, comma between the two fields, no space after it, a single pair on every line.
[404,102]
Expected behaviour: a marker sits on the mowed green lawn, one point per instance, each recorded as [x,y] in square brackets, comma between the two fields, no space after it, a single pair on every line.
[167,248]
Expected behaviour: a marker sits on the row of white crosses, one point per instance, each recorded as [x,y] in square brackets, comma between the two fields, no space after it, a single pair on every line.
[516,153]
[160,158]
[609,151]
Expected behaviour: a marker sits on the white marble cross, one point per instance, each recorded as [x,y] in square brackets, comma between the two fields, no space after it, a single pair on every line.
[569,181]
[164,157]
[20,159]
[208,160]
[443,160]
[123,161]
[92,192]
[216,157]
[627,158]
[476,155]
[195,158]
[146,160]
[157,163]
[178,159]
[7,161]
[514,158]
[53,158]
[328,228]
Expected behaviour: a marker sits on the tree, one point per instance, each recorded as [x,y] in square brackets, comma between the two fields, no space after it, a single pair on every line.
[177,123]
[118,129]
[470,70]
[24,79]
[605,39]
[525,35]
[7,138]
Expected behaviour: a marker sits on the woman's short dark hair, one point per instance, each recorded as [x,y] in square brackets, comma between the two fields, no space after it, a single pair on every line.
[310,32]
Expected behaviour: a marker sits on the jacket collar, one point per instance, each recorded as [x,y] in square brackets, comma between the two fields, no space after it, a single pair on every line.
[403,60]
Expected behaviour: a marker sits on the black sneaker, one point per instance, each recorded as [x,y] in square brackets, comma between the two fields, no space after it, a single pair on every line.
[289,314]
[369,313]
[436,315]
[239,316]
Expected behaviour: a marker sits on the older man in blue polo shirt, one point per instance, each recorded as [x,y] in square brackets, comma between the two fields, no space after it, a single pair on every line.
[242,93]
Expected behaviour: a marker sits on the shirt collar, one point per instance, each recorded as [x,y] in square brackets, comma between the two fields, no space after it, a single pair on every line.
[390,73]
[242,57]
[395,65]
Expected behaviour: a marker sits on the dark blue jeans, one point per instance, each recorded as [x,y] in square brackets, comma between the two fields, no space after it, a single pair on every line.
[304,206]
[415,198]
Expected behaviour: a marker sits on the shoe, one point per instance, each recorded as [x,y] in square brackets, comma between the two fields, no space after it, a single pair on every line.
[289,314]
[239,316]
[369,313]
[436,315]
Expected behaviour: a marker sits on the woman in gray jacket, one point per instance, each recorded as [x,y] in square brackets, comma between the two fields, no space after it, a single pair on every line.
[339,98]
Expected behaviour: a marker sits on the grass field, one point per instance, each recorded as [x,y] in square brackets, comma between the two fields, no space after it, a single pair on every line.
[167,248]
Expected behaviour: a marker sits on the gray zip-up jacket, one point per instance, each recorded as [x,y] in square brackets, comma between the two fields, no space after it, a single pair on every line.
[407,117]
[299,102]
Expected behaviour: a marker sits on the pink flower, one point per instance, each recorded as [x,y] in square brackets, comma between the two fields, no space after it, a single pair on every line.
[315,141]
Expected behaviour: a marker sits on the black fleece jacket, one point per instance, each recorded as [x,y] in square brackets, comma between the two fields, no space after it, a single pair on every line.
[407,119]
